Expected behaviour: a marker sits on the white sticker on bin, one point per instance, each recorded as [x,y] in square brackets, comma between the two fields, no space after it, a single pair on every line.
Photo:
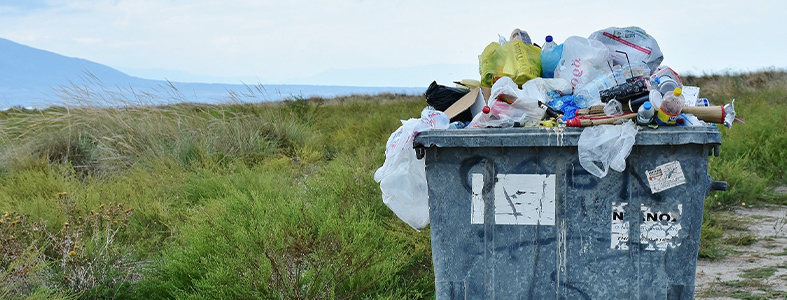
[660,230]
[477,215]
[620,227]
[520,199]
[665,177]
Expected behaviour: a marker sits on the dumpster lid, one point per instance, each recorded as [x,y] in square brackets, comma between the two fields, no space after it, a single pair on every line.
[558,136]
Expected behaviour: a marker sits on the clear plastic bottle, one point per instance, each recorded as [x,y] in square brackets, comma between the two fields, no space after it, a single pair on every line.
[645,113]
[613,108]
[590,94]
[550,57]
[671,105]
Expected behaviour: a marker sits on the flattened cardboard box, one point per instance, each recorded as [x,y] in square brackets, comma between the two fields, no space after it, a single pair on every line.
[475,101]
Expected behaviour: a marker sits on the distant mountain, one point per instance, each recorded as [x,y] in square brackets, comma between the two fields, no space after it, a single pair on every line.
[34,77]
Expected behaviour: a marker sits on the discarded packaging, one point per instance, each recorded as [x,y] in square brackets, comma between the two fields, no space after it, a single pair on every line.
[402,177]
[608,145]
[514,59]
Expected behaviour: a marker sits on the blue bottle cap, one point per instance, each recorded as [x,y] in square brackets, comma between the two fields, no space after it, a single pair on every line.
[549,39]
[647,105]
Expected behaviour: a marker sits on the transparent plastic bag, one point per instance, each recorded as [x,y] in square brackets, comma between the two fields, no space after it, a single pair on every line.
[638,45]
[546,90]
[582,61]
[608,145]
[402,177]
[510,105]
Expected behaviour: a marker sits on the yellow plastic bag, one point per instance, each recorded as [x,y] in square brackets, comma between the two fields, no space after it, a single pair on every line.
[514,59]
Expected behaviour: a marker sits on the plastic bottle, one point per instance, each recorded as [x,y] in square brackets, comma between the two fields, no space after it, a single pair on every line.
[613,108]
[645,113]
[590,93]
[550,57]
[655,98]
[670,108]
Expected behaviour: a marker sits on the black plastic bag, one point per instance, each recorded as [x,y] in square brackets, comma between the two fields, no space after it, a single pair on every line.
[442,97]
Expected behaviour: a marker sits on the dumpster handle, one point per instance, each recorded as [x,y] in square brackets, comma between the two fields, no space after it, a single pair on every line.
[718,186]
[420,152]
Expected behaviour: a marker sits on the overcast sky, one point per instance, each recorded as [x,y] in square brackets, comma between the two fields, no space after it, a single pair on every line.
[292,41]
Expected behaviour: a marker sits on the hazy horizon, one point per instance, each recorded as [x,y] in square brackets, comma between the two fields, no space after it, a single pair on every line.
[362,43]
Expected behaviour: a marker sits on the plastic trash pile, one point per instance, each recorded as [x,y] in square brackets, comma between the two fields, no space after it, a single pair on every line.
[609,81]
[613,75]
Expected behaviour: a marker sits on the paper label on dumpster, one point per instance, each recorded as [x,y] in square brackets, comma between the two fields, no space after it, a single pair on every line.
[477,200]
[665,177]
[659,229]
[620,227]
[525,199]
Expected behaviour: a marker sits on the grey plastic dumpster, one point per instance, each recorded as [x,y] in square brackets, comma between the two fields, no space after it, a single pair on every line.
[515,216]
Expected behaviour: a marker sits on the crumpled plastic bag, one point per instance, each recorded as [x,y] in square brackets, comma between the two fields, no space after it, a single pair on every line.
[566,105]
[514,59]
[402,177]
[546,90]
[608,145]
[632,40]
[583,60]
[510,105]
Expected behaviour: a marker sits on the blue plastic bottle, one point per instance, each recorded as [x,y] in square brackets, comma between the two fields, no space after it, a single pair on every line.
[550,57]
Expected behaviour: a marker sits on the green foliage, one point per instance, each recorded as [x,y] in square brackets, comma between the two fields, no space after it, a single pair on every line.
[272,200]
[80,256]
[744,239]
[753,155]
[710,246]
[265,200]
[760,273]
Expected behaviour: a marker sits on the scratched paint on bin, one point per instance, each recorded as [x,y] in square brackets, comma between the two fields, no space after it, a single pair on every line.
[477,201]
[659,229]
[620,227]
[525,199]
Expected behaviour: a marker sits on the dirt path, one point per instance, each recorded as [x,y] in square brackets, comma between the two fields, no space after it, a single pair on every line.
[755,271]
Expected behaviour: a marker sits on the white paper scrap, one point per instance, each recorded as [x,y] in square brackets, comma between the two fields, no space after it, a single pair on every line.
[665,177]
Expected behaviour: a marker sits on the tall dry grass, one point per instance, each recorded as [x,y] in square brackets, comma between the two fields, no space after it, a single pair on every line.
[232,200]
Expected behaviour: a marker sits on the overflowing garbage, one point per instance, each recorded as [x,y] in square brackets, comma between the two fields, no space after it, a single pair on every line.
[612,81]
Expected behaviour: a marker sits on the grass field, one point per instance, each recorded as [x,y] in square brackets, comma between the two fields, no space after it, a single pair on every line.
[264,201]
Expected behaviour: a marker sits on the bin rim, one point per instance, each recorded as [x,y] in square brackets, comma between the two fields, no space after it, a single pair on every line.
[558,137]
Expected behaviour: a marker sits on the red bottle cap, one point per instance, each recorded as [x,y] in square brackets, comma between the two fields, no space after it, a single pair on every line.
[486,109]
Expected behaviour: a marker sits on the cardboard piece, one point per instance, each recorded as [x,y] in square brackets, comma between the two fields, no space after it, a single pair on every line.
[475,100]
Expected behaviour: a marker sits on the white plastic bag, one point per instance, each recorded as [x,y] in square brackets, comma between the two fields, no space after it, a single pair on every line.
[509,106]
[583,60]
[639,46]
[402,177]
[546,90]
[609,145]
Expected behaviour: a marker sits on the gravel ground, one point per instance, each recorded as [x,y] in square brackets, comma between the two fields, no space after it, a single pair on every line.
[755,271]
